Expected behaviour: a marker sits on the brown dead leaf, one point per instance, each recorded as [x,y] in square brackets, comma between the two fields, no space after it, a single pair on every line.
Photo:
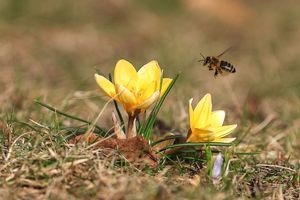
[136,149]
[90,139]
[117,128]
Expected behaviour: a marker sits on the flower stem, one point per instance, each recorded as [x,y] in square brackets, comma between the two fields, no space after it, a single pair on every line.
[129,131]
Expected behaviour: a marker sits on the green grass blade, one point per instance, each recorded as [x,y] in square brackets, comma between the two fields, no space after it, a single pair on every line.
[101,130]
[193,158]
[143,123]
[147,128]
[209,160]
[196,144]
[166,138]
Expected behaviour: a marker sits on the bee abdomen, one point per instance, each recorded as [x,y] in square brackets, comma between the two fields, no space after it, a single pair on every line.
[227,66]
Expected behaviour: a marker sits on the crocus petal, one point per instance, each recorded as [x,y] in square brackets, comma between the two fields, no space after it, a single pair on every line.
[125,96]
[125,74]
[107,87]
[191,114]
[148,73]
[147,91]
[148,79]
[217,118]
[206,135]
[202,111]
[165,84]
[149,101]
[222,131]
[200,136]
[225,140]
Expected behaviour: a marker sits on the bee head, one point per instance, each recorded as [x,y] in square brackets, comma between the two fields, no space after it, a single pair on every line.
[204,59]
[207,60]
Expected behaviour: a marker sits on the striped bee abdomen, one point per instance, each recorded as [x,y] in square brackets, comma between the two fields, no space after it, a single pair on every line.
[226,66]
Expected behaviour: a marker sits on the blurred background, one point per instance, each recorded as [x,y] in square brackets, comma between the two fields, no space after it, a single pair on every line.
[50,49]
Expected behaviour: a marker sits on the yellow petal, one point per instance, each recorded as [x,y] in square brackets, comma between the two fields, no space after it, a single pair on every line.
[149,79]
[165,84]
[107,87]
[149,101]
[191,114]
[225,140]
[148,91]
[200,135]
[125,74]
[217,118]
[206,135]
[202,112]
[222,131]
[150,71]
[125,96]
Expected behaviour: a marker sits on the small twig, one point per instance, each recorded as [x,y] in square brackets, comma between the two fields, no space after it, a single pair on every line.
[28,125]
[38,124]
[276,166]
[263,124]
[12,145]
[8,131]
[9,138]
[93,124]
[131,165]
[117,108]
[227,167]
[117,128]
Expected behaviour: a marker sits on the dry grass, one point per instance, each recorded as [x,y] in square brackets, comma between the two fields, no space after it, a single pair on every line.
[50,50]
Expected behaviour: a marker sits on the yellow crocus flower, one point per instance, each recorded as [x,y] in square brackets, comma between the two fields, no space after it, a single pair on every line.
[136,91]
[207,126]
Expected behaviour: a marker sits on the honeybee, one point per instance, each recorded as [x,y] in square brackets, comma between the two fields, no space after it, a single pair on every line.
[220,66]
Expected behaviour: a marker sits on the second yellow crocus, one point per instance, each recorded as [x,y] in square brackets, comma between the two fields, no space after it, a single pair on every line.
[207,125]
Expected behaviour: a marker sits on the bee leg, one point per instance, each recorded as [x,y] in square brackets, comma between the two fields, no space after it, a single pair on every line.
[220,71]
[210,67]
[216,73]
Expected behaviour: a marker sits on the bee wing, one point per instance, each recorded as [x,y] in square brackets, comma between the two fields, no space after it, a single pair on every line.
[225,51]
